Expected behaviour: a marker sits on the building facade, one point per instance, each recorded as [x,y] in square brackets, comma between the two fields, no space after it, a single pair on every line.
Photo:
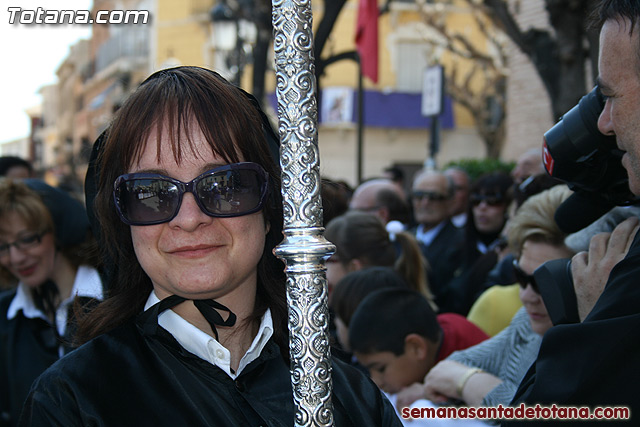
[99,73]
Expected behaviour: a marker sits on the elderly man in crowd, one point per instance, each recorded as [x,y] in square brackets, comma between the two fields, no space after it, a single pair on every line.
[441,241]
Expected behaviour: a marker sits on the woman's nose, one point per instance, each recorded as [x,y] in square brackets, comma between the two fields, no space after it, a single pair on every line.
[16,255]
[528,295]
[190,216]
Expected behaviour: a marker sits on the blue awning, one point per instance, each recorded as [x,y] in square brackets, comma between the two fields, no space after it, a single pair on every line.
[99,99]
[394,110]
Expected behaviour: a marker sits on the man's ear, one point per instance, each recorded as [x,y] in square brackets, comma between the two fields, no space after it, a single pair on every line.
[416,346]
[384,213]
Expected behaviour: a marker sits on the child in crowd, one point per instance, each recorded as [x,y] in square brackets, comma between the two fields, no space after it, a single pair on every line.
[397,336]
[352,289]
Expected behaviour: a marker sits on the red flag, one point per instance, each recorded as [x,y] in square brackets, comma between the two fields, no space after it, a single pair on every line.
[367,38]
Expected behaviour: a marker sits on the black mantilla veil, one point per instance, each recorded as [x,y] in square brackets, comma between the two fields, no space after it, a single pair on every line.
[272,268]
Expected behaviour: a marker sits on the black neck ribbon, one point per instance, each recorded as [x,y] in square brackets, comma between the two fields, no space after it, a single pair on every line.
[207,307]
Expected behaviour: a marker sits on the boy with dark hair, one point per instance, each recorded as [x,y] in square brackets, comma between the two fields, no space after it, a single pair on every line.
[397,336]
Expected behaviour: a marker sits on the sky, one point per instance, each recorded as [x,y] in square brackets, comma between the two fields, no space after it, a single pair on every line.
[32,54]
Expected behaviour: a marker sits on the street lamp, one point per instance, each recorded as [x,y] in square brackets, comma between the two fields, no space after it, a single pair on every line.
[224,26]
[232,37]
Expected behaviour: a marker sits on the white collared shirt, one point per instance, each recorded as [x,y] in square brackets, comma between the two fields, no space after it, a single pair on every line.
[483,248]
[459,220]
[428,236]
[205,346]
[86,284]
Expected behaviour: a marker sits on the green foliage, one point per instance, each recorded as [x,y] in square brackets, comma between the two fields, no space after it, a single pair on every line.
[478,167]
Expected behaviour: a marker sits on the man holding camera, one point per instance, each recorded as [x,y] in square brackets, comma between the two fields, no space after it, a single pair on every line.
[596,362]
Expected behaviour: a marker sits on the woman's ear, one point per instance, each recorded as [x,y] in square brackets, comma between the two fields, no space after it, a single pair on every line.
[355,265]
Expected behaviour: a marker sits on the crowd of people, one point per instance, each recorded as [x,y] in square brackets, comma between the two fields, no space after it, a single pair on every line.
[164,290]
[414,343]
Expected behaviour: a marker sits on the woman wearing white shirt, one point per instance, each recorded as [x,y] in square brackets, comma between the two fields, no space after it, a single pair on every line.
[45,245]
[194,331]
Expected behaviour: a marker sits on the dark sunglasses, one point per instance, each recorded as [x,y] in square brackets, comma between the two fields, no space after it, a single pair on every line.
[224,192]
[429,195]
[523,278]
[476,199]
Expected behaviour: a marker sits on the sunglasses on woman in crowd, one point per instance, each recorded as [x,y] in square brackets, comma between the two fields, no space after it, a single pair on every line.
[523,278]
[490,200]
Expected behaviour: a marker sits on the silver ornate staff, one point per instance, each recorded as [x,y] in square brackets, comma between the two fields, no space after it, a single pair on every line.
[304,249]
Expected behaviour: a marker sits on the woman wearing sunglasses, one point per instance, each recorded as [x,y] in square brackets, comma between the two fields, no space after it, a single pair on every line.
[46,246]
[194,331]
[487,215]
[489,373]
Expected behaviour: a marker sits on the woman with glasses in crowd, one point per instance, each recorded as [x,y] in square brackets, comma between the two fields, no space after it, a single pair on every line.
[486,217]
[46,246]
[489,373]
[194,331]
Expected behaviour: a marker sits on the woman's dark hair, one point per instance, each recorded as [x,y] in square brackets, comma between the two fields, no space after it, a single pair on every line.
[335,199]
[355,286]
[8,162]
[493,184]
[173,101]
[362,236]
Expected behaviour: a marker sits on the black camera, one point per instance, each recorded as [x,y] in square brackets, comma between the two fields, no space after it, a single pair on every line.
[575,152]
[590,163]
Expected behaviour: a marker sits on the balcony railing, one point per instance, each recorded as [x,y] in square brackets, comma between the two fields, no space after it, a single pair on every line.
[128,43]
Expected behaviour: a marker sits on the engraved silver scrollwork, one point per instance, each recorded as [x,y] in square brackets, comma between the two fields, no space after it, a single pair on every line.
[304,248]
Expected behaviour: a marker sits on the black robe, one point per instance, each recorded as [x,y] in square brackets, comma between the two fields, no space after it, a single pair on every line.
[137,375]
[596,362]
[27,348]
[444,256]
